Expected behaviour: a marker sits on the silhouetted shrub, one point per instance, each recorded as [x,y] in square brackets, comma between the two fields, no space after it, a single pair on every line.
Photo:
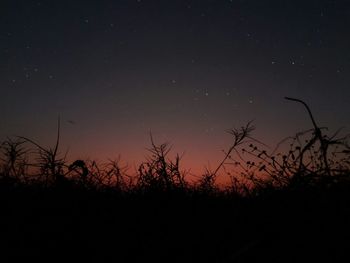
[312,159]
[158,173]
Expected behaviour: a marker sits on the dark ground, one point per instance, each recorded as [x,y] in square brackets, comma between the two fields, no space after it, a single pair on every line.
[309,225]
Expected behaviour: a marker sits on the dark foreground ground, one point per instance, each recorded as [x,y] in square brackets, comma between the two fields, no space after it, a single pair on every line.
[309,225]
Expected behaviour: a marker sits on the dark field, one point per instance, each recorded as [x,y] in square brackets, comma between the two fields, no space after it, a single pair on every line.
[278,226]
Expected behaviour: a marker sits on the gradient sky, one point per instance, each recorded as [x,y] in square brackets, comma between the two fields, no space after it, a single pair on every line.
[184,70]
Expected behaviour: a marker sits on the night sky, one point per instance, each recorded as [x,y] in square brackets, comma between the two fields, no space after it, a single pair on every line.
[187,71]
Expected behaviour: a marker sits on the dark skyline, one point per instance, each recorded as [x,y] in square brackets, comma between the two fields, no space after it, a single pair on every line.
[184,70]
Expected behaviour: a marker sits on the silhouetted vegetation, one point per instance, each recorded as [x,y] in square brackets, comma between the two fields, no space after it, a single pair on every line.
[290,206]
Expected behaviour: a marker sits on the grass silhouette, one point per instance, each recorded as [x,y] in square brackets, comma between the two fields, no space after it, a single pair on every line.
[280,207]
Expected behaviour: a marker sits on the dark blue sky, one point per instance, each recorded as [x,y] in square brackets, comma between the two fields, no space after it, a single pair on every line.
[185,70]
